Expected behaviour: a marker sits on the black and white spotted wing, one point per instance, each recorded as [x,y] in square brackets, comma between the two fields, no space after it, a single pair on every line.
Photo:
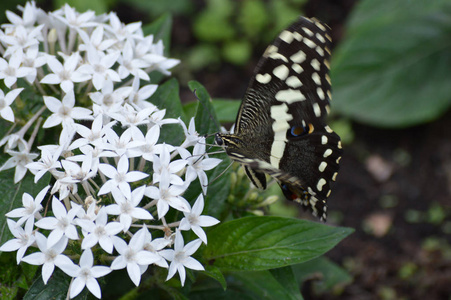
[280,127]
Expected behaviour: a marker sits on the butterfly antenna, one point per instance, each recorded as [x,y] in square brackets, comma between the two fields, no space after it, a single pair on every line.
[222,173]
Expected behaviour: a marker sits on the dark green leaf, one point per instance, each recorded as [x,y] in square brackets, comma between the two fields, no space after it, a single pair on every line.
[206,120]
[261,243]
[12,196]
[286,278]
[216,274]
[332,275]
[167,97]
[161,30]
[227,109]
[248,285]
[392,69]
[56,288]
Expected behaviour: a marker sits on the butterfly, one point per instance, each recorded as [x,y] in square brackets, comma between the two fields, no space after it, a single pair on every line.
[280,129]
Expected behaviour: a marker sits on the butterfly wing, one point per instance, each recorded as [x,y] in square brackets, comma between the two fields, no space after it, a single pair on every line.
[280,127]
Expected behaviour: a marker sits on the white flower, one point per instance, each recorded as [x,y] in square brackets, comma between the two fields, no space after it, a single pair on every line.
[122,31]
[64,111]
[100,67]
[93,135]
[131,65]
[120,177]
[65,75]
[99,232]
[155,246]
[34,60]
[191,135]
[48,162]
[180,257]
[19,159]
[76,173]
[163,165]
[5,101]
[198,163]
[28,16]
[49,257]
[21,40]
[150,147]
[61,224]
[109,100]
[86,274]
[167,196]
[139,96]
[194,221]
[133,257]
[31,207]
[127,208]
[96,39]
[10,71]
[76,20]
[23,238]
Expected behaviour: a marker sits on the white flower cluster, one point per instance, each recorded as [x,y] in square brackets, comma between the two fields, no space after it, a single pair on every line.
[114,182]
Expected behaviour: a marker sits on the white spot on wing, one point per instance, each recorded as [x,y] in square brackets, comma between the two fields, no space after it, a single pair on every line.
[281,72]
[278,56]
[263,78]
[324,140]
[317,110]
[327,153]
[315,64]
[298,57]
[289,96]
[320,38]
[309,43]
[320,184]
[320,93]
[297,68]
[322,166]
[286,36]
[293,81]
[316,78]
[280,115]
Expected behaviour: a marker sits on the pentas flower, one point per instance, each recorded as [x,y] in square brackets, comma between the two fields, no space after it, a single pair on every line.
[49,257]
[60,225]
[180,257]
[118,185]
[65,111]
[86,274]
[5,101]
[31,207]
[24,238]
[133,256]
[194,221]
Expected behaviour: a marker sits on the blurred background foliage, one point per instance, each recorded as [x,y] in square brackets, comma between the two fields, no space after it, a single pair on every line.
[390,73]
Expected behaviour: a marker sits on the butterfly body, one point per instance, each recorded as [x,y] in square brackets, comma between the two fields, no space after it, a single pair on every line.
[280,127]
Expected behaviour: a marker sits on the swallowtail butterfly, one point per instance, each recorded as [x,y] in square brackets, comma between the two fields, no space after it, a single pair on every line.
[280,129]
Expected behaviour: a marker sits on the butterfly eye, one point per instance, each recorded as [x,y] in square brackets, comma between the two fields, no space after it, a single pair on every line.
[219,141]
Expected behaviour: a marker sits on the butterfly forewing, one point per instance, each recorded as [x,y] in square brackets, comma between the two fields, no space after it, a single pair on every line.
[280,127]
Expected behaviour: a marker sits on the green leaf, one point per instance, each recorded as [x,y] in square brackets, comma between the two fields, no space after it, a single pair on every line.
[332,274]
[261,243]
[167,97]
[12,196]
[248,285]
[392,69]
[56,288]
[206,120]
[286,278]
[216,274]
[161,30]
[227,109]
